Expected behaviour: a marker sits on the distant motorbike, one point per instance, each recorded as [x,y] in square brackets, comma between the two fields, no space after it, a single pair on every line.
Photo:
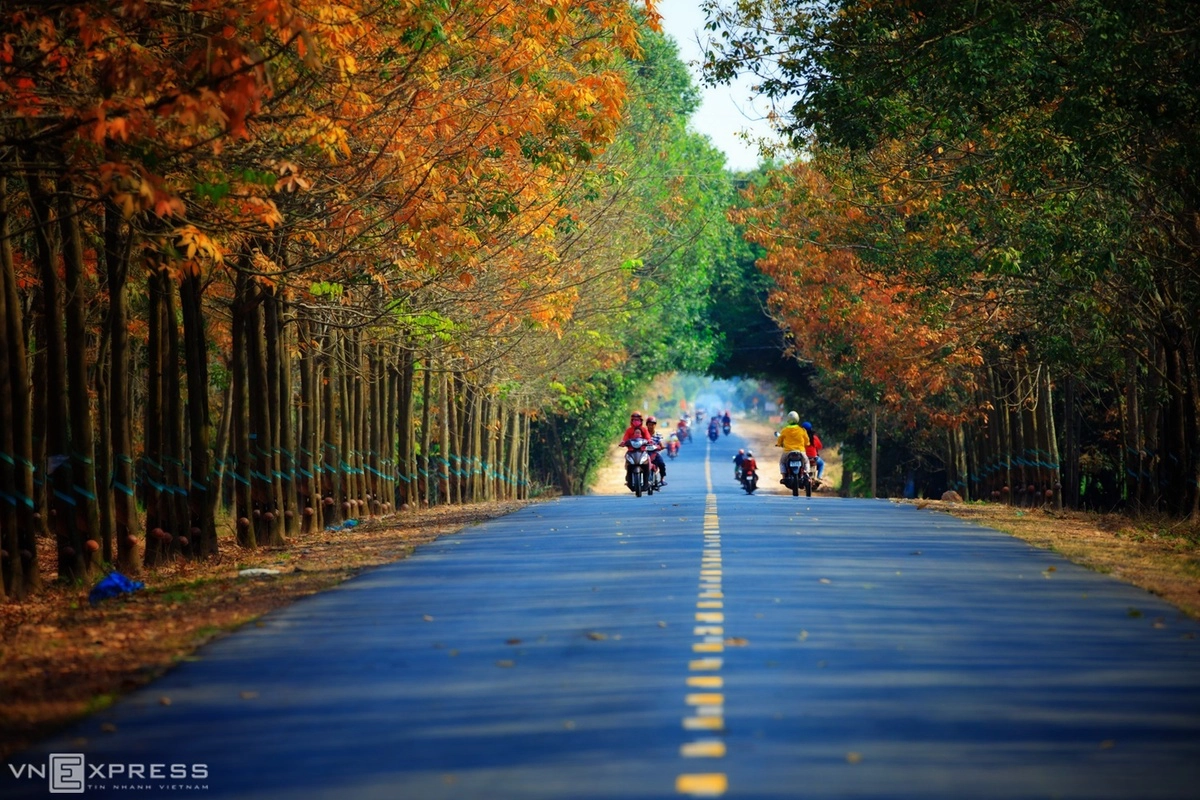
[737,470]
[684,431]
[725,427]
[713,433]
[673,446]
[796,476]
[637,465]
[749,479]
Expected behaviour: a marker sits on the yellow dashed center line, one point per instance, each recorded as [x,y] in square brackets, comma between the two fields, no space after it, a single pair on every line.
[707,709]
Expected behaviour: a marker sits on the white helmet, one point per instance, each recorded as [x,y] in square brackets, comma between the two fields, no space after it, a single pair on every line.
[793,417]
[749,454]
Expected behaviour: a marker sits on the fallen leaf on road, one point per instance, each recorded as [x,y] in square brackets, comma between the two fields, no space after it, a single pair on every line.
[427,618]
[513,641]
[597,637]
[853,758]
[108,727]
[164,701]
[736,641]
[505,663]
[1108,744]
[826,580]
[249,695]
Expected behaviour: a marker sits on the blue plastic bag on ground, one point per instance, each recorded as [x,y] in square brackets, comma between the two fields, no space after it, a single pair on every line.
[113,585]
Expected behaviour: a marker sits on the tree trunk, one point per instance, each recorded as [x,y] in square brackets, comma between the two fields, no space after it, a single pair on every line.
[243,502]
[221,453]
[874,452]
[277,417]
[12,581]
[426,434]
[83,446]
[1051,441]
[25,575]
[514,448]
[1070,455]
[287,426]
[104,447]
[308,442]
[444,403]
[173,425]
[155,446]
[404,456]
[60,499]
[453,440]
[349,445]
[202,489]
[332,475]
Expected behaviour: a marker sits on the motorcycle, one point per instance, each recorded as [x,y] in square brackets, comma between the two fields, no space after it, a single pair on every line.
[737,470]
[684,431]
[637,465]
[749,479]
[796,476]
[673,446]
[725,428]
[713,433]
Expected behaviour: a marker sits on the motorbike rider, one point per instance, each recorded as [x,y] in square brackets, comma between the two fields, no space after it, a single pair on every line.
[725,420]
[657,438]
[749,464]
[636,429]
[738,461]
[814,449]
[792,437]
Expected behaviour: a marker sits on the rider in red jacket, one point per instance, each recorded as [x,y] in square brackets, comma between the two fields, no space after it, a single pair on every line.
[812,451]
[635,430]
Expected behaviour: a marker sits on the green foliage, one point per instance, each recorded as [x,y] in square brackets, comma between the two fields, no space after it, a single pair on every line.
[1036,156]
[326,289]
[676,185]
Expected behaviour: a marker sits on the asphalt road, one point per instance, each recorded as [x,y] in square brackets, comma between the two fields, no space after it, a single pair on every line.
[699,642]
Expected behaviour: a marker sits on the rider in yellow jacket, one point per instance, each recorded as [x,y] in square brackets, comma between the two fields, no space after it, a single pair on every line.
[792,437]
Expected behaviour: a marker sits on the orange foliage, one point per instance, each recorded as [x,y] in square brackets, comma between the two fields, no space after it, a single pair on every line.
[873,340]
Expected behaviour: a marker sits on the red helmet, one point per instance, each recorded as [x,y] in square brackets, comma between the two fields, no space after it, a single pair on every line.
[650,420]
[635,416]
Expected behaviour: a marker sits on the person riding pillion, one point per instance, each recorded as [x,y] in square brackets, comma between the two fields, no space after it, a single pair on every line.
[657,438]
[792,437]
[814,449]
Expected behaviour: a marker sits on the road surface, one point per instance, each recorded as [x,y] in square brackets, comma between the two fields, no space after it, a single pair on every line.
[696,643]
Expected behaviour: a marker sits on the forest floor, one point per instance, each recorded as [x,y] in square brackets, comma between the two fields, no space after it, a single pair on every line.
[61,658]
